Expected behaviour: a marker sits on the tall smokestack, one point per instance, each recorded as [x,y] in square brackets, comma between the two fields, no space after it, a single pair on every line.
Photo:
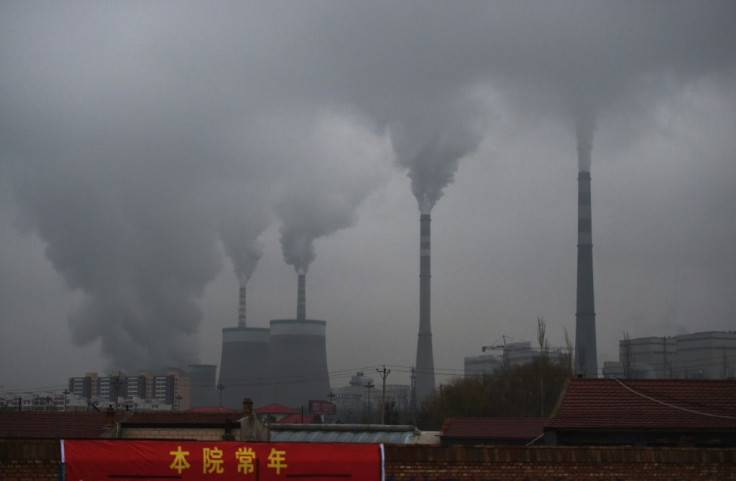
[425,382]
[301,298]
[586,360]
[241,308]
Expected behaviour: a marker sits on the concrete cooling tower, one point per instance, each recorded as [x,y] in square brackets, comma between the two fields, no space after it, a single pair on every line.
[244,365]
[297,361]
[586,360]
[202,391]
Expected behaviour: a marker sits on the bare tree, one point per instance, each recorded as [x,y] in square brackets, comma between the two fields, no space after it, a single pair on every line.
[569,356]
[542,336]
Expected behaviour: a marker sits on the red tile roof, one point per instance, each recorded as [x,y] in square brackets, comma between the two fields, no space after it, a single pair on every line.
[492,428]
[53,425]
[275,409]
[296,419]
[646,404]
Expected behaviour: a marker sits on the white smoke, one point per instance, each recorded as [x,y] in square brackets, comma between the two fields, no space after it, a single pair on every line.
[430,142]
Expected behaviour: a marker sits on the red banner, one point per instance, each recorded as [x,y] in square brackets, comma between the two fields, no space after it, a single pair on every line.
[219,460]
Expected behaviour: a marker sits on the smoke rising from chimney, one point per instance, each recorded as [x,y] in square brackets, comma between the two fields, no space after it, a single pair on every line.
[584,132]
[430,143]
[347,162]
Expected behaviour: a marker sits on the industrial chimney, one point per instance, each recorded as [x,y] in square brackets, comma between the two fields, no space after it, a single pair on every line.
[244,360]
[424,383]
[586,361]
[301,298]
[241,307]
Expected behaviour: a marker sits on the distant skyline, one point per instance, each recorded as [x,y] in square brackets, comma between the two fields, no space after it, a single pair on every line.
[155,156]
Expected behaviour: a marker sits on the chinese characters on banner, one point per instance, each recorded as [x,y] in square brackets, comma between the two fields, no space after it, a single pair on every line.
[219,460]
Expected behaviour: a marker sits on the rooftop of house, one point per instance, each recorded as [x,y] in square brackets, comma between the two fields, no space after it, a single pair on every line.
[275,409]
[54,425]
[663,404]
[174,419]
[496,428]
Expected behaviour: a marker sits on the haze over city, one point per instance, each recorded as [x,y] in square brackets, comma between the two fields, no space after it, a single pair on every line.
[156,155]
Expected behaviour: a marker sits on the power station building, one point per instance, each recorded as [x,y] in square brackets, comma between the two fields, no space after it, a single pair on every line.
[701,355]
[285,363]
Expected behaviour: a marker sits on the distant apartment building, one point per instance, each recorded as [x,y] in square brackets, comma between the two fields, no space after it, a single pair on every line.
[509,355]
[701,355]
[152,391]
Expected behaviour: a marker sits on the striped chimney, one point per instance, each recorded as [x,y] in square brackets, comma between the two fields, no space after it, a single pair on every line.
[241,308]
[586,361]
[301,298]
[425,382]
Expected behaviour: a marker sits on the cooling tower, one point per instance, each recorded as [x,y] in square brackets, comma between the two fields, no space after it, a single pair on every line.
[586,361]
[202,391]
[425,383]
[244,365]
[297,362]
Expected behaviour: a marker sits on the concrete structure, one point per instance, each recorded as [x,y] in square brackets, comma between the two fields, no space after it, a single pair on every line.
[701,355]
[586,352]
[297,362]
[425,381]
[243,361]
[202,381]
[512,354]
[243,365]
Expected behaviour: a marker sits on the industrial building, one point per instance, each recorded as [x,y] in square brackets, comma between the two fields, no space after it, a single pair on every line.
[285,363]
[701,355]
[509,355]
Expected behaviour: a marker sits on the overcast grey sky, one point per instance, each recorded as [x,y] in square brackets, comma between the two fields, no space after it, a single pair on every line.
[155,154]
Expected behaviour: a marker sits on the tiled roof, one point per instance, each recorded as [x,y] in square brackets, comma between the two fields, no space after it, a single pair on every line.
[275,409]
[646,404]
[492,428]
[210,409]
[166,418]
[53,425]
[296,419]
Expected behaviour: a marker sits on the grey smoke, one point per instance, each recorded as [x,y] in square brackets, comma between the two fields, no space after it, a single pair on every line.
[585,122]
[240,229]
[137,137]
[430,144]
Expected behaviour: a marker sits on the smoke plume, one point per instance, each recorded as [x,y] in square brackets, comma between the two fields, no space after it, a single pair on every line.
[585,122]
[347,161]
[430,144]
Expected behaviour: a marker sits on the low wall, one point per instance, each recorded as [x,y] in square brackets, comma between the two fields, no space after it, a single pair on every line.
[30,460]
[557,463]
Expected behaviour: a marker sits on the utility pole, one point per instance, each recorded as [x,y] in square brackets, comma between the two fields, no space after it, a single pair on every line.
[220,387]
[369,386]
[384,374]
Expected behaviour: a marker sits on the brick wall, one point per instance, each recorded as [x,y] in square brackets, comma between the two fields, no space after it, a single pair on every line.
[558,463]
[194,433]
[31,460]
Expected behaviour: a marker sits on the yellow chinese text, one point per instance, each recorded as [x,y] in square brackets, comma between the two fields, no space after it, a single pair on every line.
[212,461]
[180,462]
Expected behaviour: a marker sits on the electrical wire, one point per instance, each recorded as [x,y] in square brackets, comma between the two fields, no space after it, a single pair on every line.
[692,411]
